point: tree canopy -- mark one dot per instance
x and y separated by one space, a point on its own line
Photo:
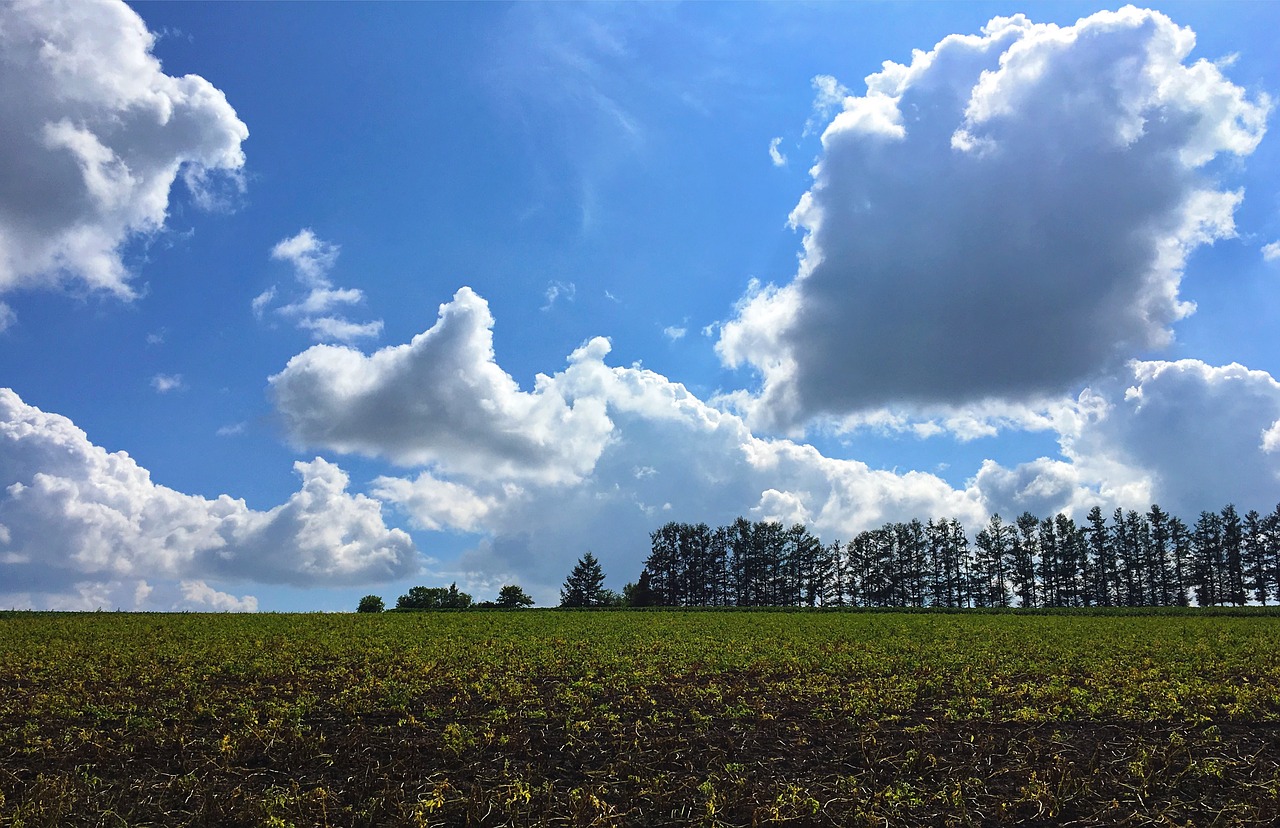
585 585
430 598
513 597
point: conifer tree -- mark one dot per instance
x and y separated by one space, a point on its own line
585 585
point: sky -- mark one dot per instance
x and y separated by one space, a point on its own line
301 302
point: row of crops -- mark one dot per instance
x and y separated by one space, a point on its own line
616 718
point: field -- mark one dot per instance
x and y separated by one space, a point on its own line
639 718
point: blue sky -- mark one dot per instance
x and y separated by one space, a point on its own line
375 295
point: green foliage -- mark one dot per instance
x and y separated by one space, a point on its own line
371 603
433 598
513 597
585 586
1089 717
640 593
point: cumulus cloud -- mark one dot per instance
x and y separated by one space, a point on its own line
674 332
440 400
502 464
1271 252
75 514
312 310
594 457
198 594
312 258
1198 430
829 95
1004 217
92 136
1185 434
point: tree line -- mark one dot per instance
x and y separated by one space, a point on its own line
1132 559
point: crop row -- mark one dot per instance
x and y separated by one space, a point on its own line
637 718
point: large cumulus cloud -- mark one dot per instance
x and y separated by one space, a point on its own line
594 457
1004 217
1188 435
1185 434
93 135
440 400
77 519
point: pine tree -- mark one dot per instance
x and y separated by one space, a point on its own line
995 546
1026 545
1104 559
1207 568
1233 555
585 585
1180 550
1162 578
1257 581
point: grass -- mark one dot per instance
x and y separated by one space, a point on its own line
638 718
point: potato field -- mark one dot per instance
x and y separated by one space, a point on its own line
640 718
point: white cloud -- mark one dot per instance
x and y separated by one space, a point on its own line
1003 218
76 514
164 383
337 329
1271 438
674 332
262 301
200 595
595 457
1185 434
438 504
555 290
92 136
233 430
778 159
829 96
7 317
1271 252
440 400
311 259
1198 430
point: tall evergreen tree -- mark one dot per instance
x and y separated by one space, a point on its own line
1233 555
1104 559
1161 592
813 568
1207 566
913 552
1075 572
1052 567
666 574
994 546
1180 551
585 585
839 574
1138 563
1271 530
1026 551
1257 576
